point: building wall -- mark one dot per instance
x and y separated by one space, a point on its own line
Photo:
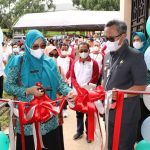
125 14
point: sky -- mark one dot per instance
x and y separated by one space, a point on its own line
63 5
62 1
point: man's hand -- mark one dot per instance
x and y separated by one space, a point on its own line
114 94
35 90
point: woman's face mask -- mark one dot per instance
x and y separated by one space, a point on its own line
16 50
37 53
137 44
38 48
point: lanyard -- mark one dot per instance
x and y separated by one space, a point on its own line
113 66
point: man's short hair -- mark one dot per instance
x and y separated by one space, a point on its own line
84 43
64 44
120 25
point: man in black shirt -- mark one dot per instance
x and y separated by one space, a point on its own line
124 68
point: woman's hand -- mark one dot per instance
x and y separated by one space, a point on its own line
71 98
35 90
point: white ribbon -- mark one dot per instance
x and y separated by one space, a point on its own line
99 107
30 114
11 128
107 101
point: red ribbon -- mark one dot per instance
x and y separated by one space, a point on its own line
43 111
84 103
118 118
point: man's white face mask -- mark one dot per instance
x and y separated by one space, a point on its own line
84 55
112 46
64 53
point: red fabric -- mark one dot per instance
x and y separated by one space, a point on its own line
103 50
72 55
84 103
118 118
44 109
72 73
69 70
95 74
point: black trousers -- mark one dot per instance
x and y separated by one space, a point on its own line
61 137
128 136
80 122
51 141
1 86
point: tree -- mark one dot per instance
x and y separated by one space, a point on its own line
12 10
107 5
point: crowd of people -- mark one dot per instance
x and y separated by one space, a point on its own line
108 61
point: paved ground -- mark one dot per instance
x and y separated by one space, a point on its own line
70 129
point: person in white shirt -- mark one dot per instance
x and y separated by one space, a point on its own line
65 62
84 71
3 60
95 53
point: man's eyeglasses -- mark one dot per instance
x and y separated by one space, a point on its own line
83 50
112 39
53 55
37 46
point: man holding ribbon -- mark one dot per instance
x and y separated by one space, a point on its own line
23 72
124 68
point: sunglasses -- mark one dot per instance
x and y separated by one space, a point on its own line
112 39
53 55
83 50
37 46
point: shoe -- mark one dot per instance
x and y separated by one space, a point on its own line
77 136
65 114
88 141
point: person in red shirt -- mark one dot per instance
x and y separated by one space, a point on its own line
84 71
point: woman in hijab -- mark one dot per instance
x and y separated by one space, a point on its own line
139 41
35 67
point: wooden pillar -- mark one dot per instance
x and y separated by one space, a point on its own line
125 13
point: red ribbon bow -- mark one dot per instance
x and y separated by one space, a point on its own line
84 103
42 109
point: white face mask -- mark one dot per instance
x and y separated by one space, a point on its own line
55 59
112 46
84 55
64 53
16 50
137 45
95 48
37 53
21 52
